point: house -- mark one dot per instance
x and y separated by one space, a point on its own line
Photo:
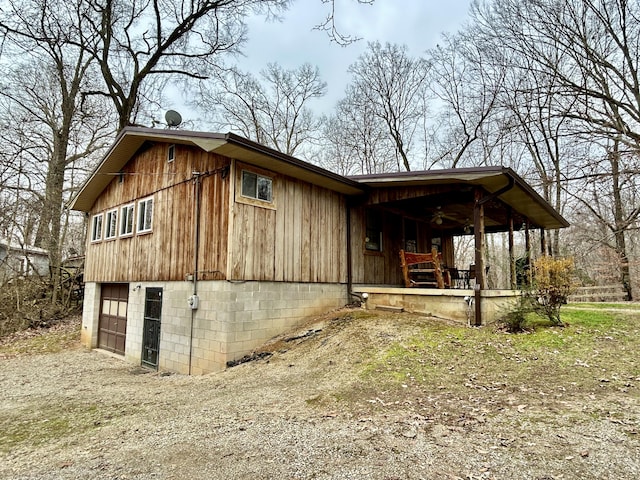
21 260
201 246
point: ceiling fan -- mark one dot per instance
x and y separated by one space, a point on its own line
439 215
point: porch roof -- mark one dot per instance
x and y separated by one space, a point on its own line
451 196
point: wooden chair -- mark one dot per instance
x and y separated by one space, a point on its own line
424 269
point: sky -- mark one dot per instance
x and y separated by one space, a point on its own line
418 24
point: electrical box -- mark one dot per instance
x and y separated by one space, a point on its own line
193 301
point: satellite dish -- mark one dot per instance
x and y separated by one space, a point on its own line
173 118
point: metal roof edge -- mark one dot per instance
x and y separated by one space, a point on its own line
209 142
533 193
293 161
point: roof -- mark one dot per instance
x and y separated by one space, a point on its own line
130 139
511 188
520 195
10 246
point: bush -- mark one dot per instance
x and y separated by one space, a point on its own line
552 284
515 320
26 303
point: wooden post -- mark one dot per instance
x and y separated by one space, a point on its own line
512 258
543 242
527 247
478 230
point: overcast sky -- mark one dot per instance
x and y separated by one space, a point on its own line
293 41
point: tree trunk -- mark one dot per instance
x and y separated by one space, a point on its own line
48 234
619 222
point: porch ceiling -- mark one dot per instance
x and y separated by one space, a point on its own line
448 195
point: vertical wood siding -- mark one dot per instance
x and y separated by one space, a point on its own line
167 252
302 240
383 268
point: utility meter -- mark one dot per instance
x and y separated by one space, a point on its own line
193 301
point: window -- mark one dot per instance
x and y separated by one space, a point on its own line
96 228
410 236
256 186
111 227
373 238
145 215
126 220
171 153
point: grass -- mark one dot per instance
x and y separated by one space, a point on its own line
62 336
606 306
487 369
29 427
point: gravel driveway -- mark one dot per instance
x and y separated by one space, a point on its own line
87 415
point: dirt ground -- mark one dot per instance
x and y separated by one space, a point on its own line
306 412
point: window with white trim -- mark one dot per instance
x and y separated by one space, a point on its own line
257 186
126 220
171 153
111 225
96 228
145 215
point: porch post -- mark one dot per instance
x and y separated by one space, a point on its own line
512 259
478 229
527 247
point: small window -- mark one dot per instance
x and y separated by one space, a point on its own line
171 153
145 215
126 220
373 238
410 236
256 186
96 228
111 227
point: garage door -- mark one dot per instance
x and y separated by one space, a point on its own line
113 317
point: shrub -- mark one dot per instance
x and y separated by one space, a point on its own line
552 284
515 320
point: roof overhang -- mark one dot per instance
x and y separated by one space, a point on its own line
520 196
511 189
130 139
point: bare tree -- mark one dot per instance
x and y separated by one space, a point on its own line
469 86
329 24
583 57
356 141
589 46
140 44
273 111
44 88
388 85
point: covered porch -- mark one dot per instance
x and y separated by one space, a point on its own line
424 212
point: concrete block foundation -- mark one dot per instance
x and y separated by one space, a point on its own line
233 318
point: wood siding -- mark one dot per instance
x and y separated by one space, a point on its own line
376 268
302 239
383 268
166 253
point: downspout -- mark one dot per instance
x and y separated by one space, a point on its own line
479 244
350 294
196 248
